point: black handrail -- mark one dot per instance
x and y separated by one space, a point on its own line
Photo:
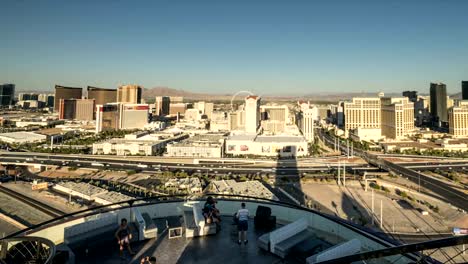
399 250
177 198
42 240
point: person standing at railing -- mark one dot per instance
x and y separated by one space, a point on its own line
124 235
243 223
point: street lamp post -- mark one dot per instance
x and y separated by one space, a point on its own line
381 214
344 173
347 148
372 206
338 172
419 182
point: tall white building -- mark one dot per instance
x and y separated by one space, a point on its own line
458 119
307 124
236 120
397 117
362 113
205 108
252 113
274 118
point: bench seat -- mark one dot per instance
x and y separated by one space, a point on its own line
347 248
150 231
195 225
283 248
263 242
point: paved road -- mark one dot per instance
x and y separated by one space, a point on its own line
283 168
439 189
442 189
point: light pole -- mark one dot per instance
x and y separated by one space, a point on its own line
347 148
381 214
372 206
338 172
344 173
419 182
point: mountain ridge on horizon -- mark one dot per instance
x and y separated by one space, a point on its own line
331 96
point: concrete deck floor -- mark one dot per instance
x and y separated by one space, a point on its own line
219 248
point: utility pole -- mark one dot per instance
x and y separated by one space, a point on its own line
352 149
347 148
372 206
419 182
365 181
344 173
381 214
338 172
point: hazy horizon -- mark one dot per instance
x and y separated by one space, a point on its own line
267 47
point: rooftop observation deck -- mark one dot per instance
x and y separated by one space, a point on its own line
219 248
88 236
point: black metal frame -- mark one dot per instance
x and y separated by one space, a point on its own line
226 197
409 248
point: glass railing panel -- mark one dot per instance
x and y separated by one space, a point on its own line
325 228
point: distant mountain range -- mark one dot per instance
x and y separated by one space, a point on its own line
151 93
456 96
323 97
166 91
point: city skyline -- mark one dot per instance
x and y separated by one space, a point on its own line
301 48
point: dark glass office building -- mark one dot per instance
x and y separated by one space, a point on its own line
50 100
412 95
62 92
102 96
465 90
438 92
7 94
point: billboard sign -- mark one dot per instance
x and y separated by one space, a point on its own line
136 107
39 186
457 231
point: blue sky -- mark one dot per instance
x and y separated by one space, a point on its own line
280 47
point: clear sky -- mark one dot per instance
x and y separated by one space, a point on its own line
282 47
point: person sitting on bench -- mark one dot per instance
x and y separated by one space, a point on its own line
210 212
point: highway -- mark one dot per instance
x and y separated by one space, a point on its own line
443 190
121 163
439 189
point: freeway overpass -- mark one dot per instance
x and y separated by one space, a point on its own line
122 163
438 188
